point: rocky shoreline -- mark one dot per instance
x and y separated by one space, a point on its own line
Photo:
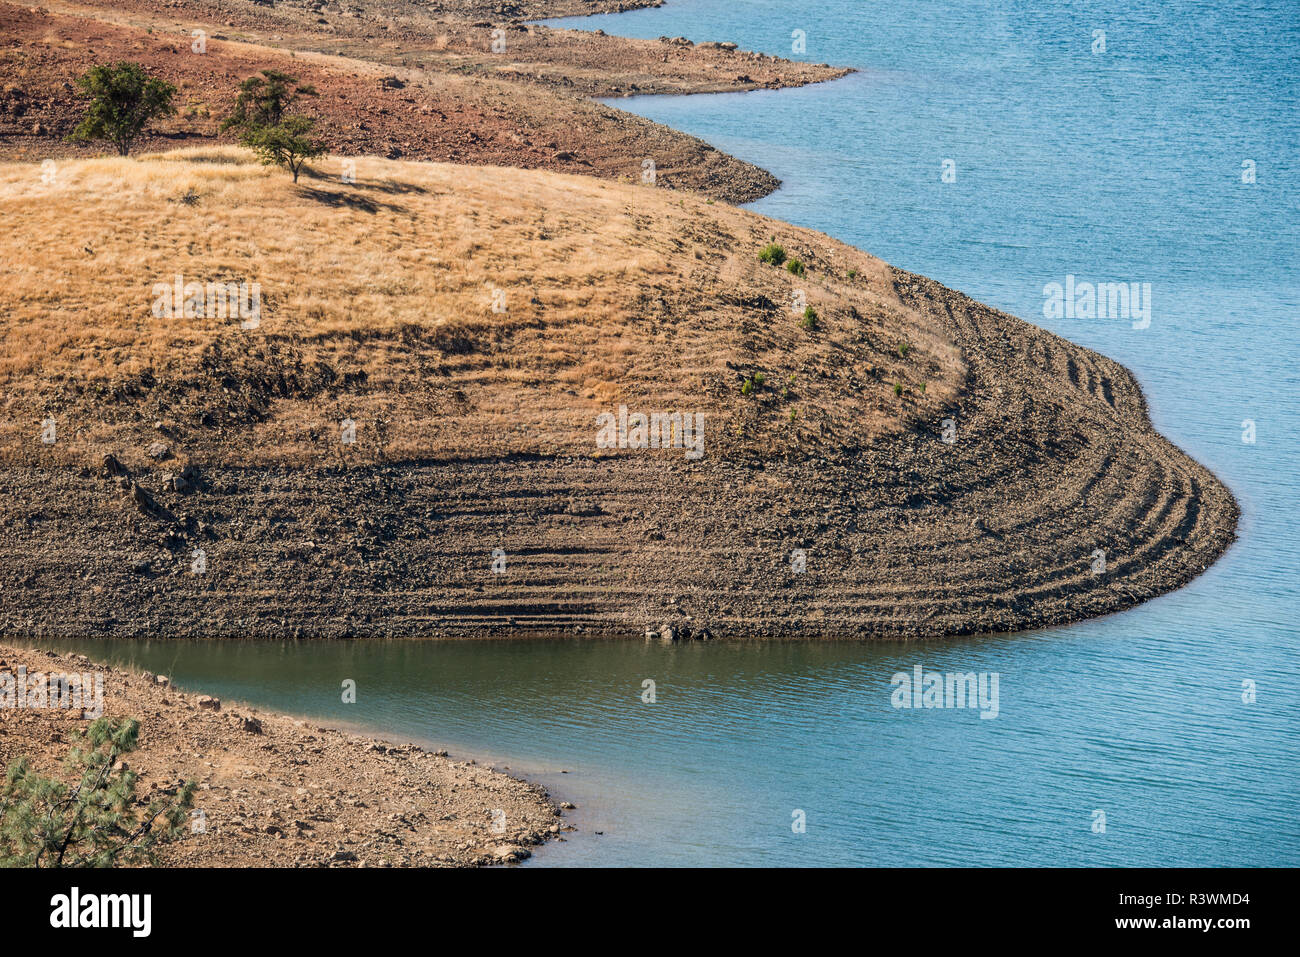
274 791
897 463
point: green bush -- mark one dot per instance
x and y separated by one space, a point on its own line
265 100
795 267
773 253
809 320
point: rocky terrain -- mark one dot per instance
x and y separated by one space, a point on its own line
911 464
405 441
277 792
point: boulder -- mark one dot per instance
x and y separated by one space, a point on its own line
511 854
144 502
112 467
186 481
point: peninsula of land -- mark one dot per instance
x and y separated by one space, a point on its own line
410 436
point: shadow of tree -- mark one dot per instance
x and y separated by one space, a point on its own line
353 196
348 199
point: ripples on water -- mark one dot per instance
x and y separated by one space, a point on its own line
1125 168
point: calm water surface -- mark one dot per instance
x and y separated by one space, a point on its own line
1119 166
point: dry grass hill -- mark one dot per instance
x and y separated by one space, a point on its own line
911 464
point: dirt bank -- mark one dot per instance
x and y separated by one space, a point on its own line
277 792
911 464
448 38
394 80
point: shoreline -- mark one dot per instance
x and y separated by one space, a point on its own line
423 85
1175 519
261 791
933 527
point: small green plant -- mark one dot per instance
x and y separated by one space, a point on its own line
753 384
794 414
898 389
772 253
853 274
923 388
809 320
903 350
795 267
123 101
96 821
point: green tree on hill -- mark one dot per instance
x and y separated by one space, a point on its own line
265 100
96 821
124 99
288 144
261 115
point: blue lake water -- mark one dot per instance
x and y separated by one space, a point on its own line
1121 165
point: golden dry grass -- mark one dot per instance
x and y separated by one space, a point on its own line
377 304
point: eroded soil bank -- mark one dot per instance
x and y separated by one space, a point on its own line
1057 501
906 463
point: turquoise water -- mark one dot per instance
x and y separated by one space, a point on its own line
1120 166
